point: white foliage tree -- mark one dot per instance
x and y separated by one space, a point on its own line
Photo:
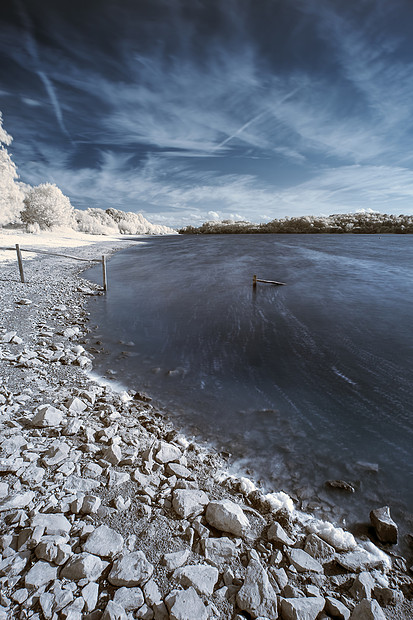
95 222
47 207
11 195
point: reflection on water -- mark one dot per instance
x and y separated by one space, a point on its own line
301 382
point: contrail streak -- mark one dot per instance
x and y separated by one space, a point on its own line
254 119
33 53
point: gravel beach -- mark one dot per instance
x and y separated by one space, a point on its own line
107 511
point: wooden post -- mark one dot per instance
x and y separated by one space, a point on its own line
20 261
254 281
105 282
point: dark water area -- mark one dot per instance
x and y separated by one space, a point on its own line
302 383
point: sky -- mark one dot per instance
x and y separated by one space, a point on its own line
192 110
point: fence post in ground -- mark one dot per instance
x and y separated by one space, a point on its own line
105 282
20 261
254 281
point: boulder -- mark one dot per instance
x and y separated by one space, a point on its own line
218 551
384 526
54 524
47 416
304 562
104 542
131 569
175 559
129 598
16 501
90 594
186 605
319 549
362 586
226 516
53 549
189 502
40 574
277 534
302 608
202 578
336 609
368 610
113 611
257 596
83 566
167 453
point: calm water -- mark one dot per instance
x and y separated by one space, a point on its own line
301 382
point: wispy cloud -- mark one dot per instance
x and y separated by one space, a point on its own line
188 122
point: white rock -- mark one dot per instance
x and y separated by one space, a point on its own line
319 549
14 565
362 586
226 516
8 337
131 569
46 601
75 484
83 566
186 605
47 416
189 502
17 500
178 470
167 453
90 594
364 558
175 559
202 578
53 524
104 542
302 608
32 474
277 534
368 610
219 551
57 453
90 504
152 593
40 574
304 562
257 596
129 598
118 477
113 611
75 405
53 549
113 454
386 529
336 609
62 596
4 490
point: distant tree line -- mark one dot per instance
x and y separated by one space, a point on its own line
355 223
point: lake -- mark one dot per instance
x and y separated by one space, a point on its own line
303 383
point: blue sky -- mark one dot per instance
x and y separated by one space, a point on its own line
189 110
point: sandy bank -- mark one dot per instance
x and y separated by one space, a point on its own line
107 512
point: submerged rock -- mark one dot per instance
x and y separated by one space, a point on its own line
384 526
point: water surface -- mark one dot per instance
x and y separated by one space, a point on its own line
302 382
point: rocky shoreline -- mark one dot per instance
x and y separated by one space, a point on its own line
108 512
